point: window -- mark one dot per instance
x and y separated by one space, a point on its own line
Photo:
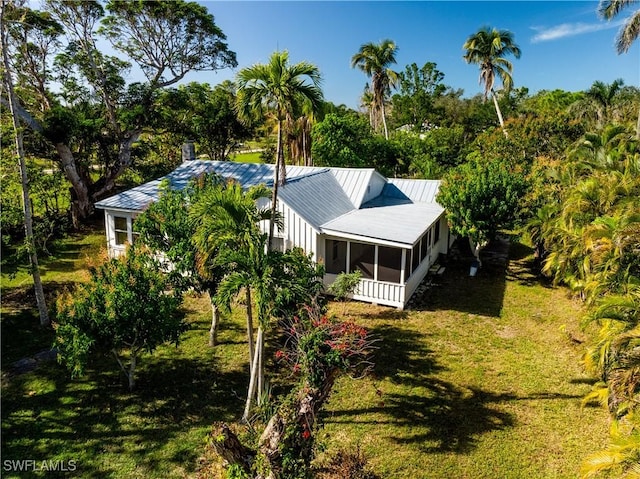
277 244
416 256
336 256
436 232
363 259
121 229
389 264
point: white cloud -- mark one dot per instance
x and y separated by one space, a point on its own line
546 34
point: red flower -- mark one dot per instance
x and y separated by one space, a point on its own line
279 354
306 434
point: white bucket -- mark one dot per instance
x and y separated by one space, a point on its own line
473 269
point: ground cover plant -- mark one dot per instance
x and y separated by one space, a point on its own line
481 379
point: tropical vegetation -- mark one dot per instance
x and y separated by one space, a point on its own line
542 340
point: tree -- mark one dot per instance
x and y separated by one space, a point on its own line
339 140
14 107
319 349
487 48
206 115
481 198
414 104
345 285
600 101
228 235
280 90
227 218
609 9
166 228
629 32
374 60
165 39
128 307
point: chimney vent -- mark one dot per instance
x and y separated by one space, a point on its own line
188 151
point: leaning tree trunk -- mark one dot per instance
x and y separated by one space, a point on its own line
301 415
253 382
26 197
498 112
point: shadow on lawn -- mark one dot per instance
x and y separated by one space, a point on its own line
482 294
434 414
46 416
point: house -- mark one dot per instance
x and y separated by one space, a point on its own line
392 230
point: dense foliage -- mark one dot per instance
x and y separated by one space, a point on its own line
126 308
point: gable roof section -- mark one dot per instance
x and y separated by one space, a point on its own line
419 191
356 183
317 197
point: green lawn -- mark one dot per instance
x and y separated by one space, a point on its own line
483 382
252 157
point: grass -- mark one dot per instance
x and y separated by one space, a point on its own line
484 381
253 157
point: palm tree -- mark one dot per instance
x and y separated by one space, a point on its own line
228 235
374 60
278 89
227 218
487 48
609 9
600 101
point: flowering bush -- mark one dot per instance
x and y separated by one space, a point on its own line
318 346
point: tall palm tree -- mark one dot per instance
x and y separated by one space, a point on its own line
629 32
227 226
227 218
278 89
374 60
488 49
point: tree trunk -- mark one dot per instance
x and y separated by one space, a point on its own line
384 120
254 377
498 112
229 447
26 197
215 320
276 182
131 375
307 404
249 326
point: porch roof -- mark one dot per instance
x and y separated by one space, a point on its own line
398 221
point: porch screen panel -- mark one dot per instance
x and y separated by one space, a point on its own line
389 264
436 232
416 257
407 265
336 256
363 259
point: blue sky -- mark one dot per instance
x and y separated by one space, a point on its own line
564 43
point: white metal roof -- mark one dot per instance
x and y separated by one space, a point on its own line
317 197
349 201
